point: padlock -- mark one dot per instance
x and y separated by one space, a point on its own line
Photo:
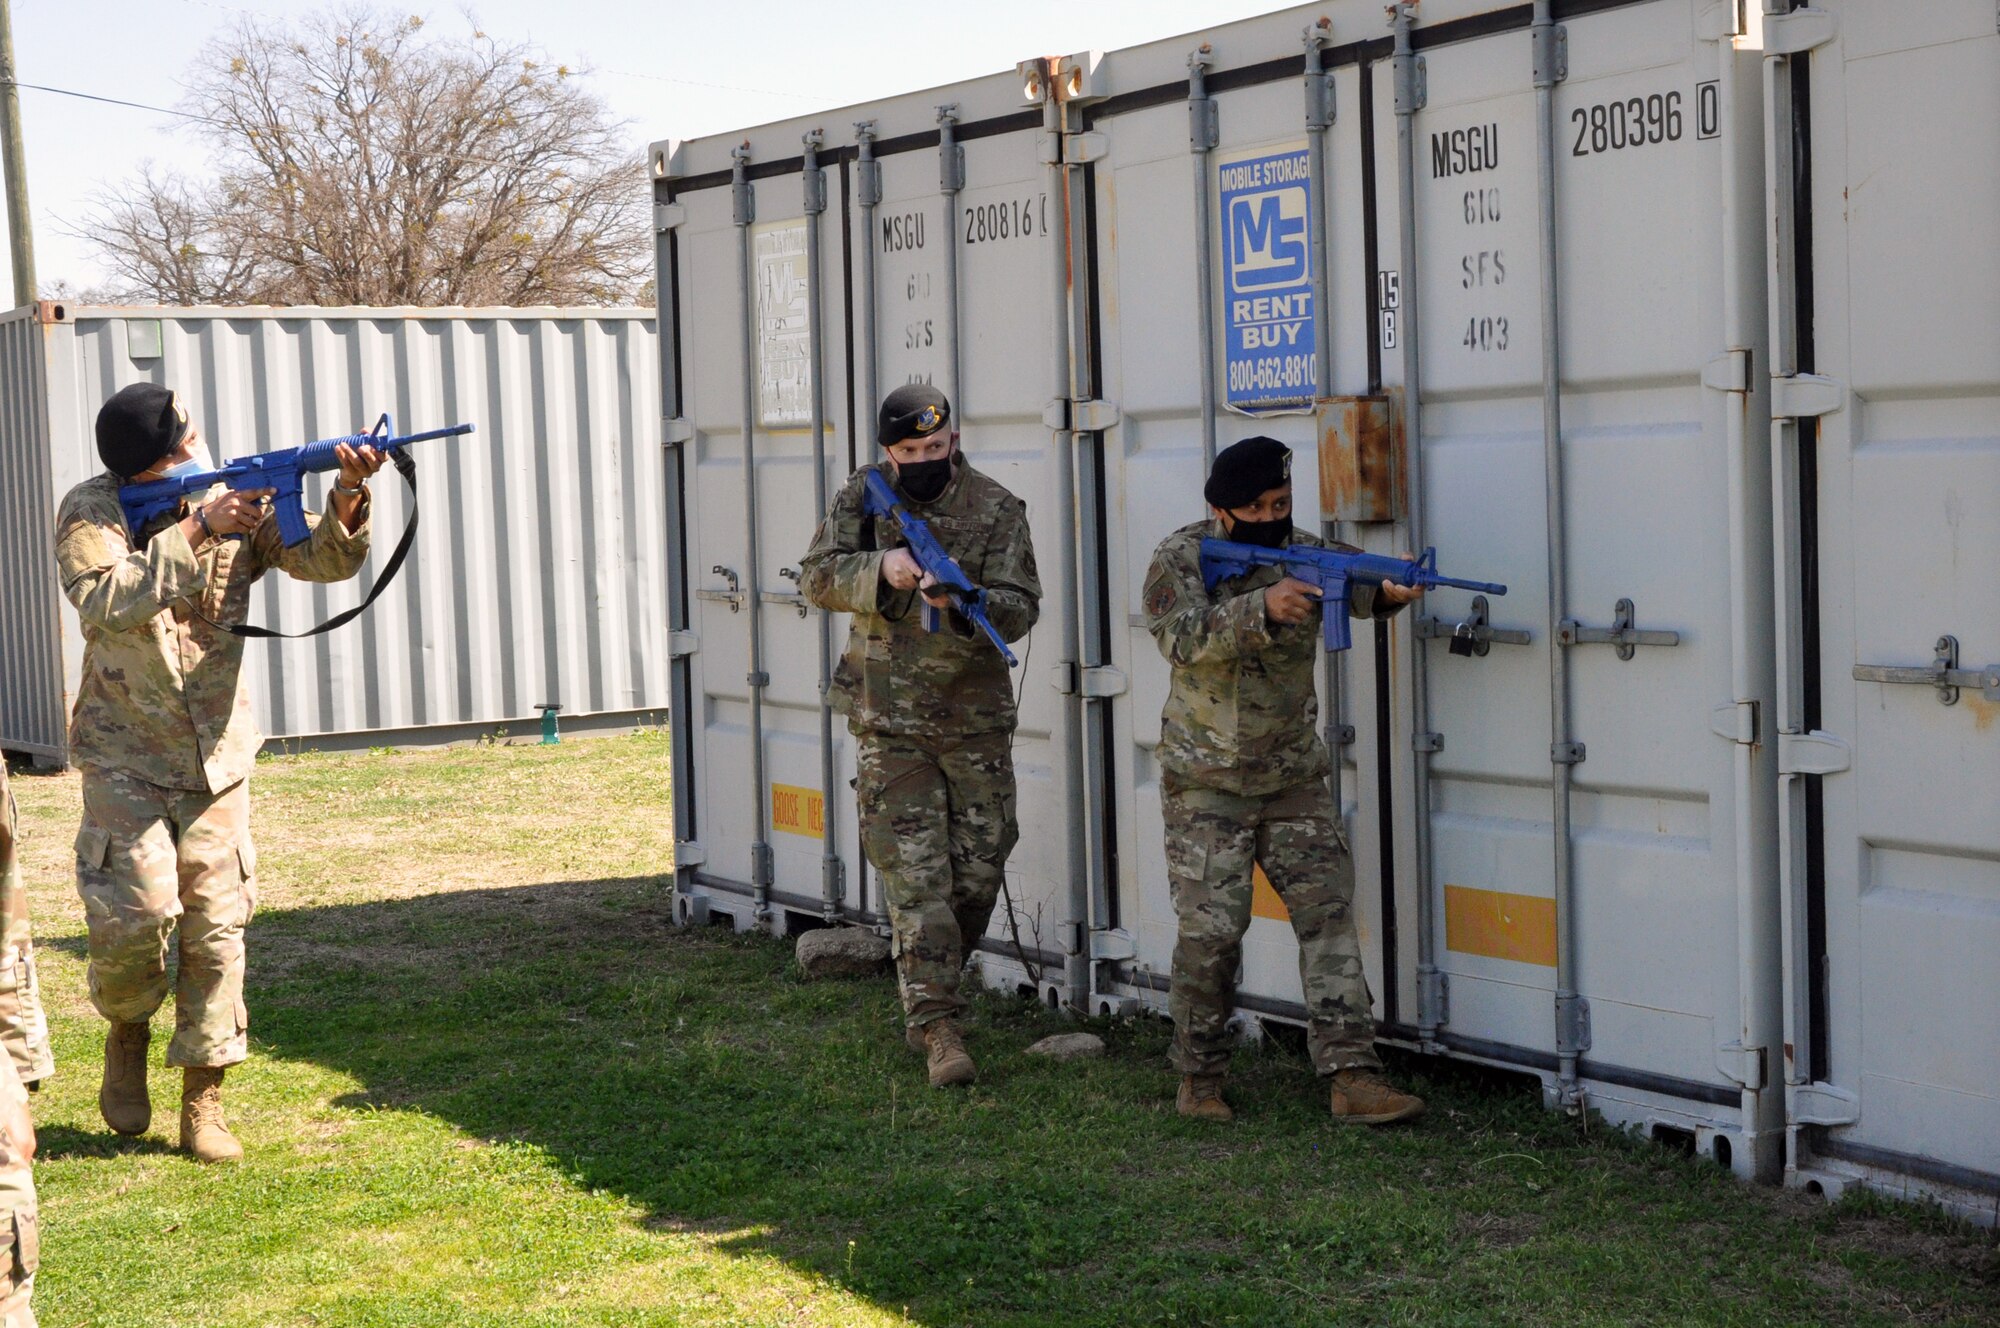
1461 640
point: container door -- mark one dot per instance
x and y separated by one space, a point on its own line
756 805
985 212
1265 280
1894 489
1673 909
1657 185
951 182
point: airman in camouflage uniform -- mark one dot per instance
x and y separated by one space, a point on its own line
165 738
26 1035
1243 784
933 713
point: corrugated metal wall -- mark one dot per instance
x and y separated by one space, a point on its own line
536 575
33 703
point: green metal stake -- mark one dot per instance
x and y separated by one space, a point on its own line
548 709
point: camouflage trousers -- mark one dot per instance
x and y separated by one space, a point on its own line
937 821
1215 840
23 1027
20 1222
150 861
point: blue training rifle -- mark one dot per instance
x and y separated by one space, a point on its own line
1330 572
968 599
283 471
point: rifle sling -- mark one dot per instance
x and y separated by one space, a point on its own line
406 466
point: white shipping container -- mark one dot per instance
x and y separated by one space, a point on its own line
1519 279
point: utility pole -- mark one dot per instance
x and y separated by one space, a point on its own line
20 232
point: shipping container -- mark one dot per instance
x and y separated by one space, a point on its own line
536 575
1885 336
1525 283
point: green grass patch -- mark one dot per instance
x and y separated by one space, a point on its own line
492 1085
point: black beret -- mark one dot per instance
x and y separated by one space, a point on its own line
137 427
1246 471
914 410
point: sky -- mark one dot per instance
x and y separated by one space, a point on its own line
672 70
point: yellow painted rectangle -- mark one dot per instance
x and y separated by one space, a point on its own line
1264 901
1498 925
798 811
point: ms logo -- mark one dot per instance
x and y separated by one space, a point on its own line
1267 245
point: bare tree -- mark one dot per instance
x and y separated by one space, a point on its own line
363 162
170 240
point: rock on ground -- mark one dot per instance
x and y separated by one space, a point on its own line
842 952
1069 1046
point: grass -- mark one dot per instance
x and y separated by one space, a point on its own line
491 1084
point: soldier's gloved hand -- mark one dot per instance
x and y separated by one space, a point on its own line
900 569
237 511
1290 601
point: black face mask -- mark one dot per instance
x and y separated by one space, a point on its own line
1263 534
923 481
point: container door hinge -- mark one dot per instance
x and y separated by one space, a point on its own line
688 853
1427 742
1799 31
1727 372
667 216
1741 1065
1081 149
1823 1104
1093 416
682 644
1802 396
1095 683
1103 681
1736 721
1113 945
674 432
1815 753
1567 753
1720 19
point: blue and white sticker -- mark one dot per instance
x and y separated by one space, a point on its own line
1267 295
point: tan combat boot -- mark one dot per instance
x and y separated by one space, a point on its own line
1364 1097
950 1064
122 1100
1200 1098
914 1039
203 1132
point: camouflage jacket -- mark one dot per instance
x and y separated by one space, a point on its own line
162 696
1241 712
894 676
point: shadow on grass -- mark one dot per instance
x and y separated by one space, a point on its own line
53 1143
695 1075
